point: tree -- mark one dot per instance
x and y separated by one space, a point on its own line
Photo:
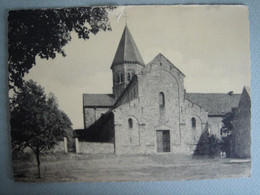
36 121
45 32
208 145
227 128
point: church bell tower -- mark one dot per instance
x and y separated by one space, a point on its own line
127 62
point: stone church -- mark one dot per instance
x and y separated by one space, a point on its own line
149 110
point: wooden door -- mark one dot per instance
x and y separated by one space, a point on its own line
163 140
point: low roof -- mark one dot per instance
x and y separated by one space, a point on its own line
215 103
99 100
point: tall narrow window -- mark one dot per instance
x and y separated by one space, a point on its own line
122 77
193 122
128 76
118 78
130 123
209 128
161 99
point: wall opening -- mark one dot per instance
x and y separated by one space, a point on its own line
193 123
122 78
130 123
161 100
163 140
118 78
128 76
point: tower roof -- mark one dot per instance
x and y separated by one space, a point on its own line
127 51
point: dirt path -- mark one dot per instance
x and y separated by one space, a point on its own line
99 168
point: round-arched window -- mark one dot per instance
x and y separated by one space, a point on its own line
161 99
130 123
193 122
128 76
122 77
118 78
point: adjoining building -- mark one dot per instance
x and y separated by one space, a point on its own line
149 110
241 133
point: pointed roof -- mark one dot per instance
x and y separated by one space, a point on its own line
127 51
162 59
247 89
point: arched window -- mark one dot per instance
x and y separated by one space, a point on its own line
161 99
118 78
130 123
193 122
122 77
128 76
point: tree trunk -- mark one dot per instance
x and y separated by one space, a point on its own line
38 163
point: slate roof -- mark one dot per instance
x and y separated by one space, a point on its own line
127 51
102 100
215 103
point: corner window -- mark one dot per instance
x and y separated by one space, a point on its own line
193 123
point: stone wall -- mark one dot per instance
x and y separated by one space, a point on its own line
130 94
100 131
242 127
61 146
148 115
92 114
215 124
191 135
123 70
94 147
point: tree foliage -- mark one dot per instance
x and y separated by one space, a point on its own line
208 145
227 126
45 32
36 121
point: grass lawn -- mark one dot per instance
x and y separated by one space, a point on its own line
107 168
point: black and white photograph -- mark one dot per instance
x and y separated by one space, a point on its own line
129 93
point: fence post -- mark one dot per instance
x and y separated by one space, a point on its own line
77 145
65 145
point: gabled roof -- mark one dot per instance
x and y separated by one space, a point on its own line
247 89
215 103
127 51
162 59
98 100
245 97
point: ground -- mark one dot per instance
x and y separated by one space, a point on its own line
107 168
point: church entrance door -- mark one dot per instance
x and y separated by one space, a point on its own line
163 140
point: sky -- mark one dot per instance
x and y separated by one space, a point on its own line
209 44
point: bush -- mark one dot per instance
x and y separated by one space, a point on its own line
22 156
208 145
